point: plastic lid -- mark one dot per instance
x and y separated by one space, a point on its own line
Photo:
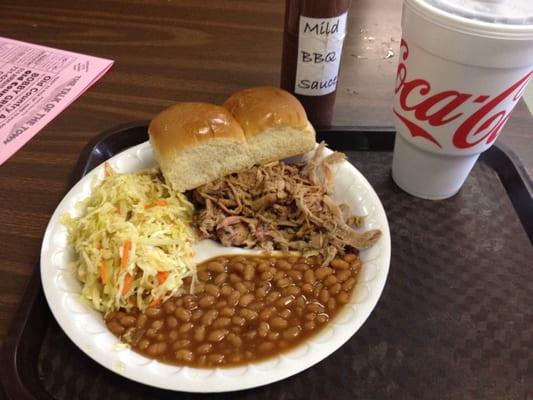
507 12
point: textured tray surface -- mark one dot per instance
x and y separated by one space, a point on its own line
454 320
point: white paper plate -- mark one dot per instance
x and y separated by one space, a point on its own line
86 327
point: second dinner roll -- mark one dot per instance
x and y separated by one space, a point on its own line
274 122
196 143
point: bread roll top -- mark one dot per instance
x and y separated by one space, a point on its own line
185 125
260 108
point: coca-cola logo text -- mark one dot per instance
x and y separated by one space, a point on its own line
442 108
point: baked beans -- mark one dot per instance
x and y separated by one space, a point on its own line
243 309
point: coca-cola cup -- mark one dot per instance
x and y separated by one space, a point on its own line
463 66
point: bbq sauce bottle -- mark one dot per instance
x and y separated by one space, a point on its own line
312 45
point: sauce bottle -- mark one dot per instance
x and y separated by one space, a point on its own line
313 36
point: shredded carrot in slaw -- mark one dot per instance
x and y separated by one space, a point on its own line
127 284
101 269
125 254
162 276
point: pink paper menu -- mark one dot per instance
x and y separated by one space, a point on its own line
36 84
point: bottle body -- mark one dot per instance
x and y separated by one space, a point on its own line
314 32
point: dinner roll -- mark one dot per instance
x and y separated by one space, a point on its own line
195 143
274 122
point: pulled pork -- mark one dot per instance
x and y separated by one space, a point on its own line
281 206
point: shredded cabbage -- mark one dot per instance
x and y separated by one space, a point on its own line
133 241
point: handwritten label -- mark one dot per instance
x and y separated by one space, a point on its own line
36 84
319 54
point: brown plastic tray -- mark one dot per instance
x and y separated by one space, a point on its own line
455 320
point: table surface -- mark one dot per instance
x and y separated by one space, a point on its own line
168 51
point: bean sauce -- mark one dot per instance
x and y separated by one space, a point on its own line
240 309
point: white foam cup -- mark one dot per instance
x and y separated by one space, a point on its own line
463 66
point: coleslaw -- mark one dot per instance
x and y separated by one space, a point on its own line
133 241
